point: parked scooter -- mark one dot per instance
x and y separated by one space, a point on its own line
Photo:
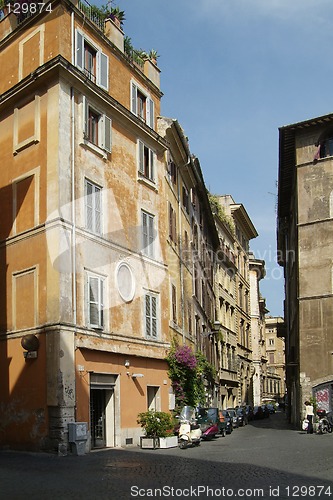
325 423
189 430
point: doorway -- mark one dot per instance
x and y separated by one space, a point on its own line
97 418
102 418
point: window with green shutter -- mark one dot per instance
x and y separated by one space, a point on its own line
93 207
95 292
151 315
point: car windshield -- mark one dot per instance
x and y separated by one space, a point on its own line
239 411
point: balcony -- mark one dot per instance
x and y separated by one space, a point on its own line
226 255
92 13
227 375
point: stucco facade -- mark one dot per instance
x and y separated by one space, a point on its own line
304 248
83 241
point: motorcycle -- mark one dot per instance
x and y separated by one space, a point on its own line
325 423
189 433
208 421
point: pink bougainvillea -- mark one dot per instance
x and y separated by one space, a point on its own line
184 355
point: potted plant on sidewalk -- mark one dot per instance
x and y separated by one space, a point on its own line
158 427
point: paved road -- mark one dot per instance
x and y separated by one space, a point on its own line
266 459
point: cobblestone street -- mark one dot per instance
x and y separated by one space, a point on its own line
265 459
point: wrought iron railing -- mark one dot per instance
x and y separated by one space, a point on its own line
92 13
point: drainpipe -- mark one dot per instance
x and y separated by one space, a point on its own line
73 206
73 253
73 37
73 245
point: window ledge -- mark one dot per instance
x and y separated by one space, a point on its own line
147 182
95 149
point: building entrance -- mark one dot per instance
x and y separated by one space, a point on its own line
102 410
97 418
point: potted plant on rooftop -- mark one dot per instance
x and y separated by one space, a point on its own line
117 16
153 56
158 427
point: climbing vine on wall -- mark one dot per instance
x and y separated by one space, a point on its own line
189 373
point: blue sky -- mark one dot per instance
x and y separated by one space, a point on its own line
232 73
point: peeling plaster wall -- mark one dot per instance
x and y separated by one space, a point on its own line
315 237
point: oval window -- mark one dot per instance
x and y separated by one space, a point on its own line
125 282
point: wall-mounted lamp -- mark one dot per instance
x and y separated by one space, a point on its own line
216 327
137 375
30 344
127 363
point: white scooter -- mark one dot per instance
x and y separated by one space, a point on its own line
189 430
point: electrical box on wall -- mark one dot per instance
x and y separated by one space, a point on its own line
77 431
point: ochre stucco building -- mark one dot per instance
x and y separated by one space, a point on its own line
305 239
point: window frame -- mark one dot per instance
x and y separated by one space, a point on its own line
146 162
101 76
172 224
150 319
100 324
148 116
148 237
174 303
97 212
103 144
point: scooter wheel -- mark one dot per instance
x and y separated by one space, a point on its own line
329 429
182 445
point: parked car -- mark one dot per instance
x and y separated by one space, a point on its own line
271 408
265 410
228 420
234 418
241 416
249 412
258 413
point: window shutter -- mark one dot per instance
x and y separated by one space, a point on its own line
79 53
89 206
141 158
134 107
174 227
150 113
101 305
150 235
103 71
93 284
98 209
170 221
144 232
85 116
153 316
107 133
147 315
151 161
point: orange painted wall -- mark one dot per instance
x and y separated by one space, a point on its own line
23 415
133 391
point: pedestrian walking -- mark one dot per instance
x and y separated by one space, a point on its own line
309 416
